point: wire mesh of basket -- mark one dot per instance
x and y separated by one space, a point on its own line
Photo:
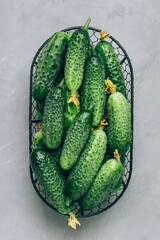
34 121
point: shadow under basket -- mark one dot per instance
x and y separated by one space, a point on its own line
34 121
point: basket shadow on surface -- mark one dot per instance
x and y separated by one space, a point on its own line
34 121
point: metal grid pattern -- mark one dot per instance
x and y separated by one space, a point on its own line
33 122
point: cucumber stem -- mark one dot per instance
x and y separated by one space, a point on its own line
104 35
74 99
116 155
103 123
87 24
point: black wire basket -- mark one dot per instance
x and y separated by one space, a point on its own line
34 121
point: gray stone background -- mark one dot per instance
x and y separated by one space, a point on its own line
24 26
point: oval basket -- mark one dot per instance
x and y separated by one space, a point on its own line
34 121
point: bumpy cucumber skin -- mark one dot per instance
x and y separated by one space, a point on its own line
53 118
77 53
76 138
112 65
38 141
118 185
122 159
106 179
119 124
49 65
93 88
71 111
82 175
51 179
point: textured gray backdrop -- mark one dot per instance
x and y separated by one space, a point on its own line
25 25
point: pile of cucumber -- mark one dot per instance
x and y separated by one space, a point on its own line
79 153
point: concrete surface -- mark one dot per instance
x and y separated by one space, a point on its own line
25 25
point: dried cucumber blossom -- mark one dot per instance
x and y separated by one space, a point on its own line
104 35
40 125
73 98
72 221
116 155
103 122
110 87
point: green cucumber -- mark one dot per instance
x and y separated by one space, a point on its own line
122 159
93 88
112 65
83 173
105 181
118 185
76 138
119 132
49 65
40 106
38 141
53 118
51 179
77 52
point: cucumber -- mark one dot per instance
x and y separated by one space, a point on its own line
93 88
71 110
76 139
82 175
105 181
49 65
77 52
118 185
119 132
122 159
51 179
40 106
38 141
112 65
53 118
